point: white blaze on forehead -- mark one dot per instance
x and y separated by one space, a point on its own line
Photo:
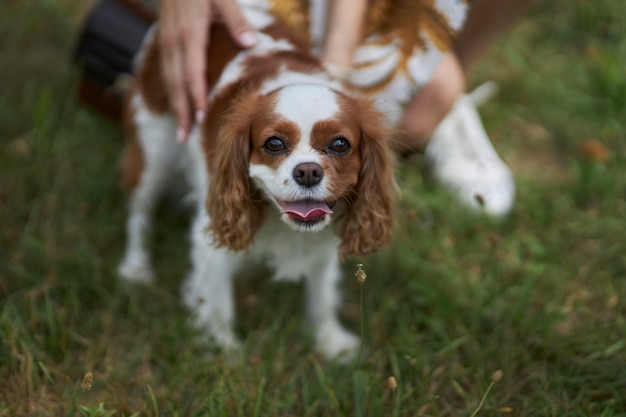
305 105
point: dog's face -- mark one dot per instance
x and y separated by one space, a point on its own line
307 149
305 153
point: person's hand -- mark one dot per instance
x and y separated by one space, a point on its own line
183 37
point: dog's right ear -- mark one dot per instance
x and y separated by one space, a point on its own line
234 205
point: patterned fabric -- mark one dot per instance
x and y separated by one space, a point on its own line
402 44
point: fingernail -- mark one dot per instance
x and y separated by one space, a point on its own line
180 135
199 116
247 38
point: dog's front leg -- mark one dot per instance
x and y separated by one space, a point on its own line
208 291
323 299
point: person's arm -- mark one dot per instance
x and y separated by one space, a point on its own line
183 36
343 33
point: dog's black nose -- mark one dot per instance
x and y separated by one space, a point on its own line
308 174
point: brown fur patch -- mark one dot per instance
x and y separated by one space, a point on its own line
149 78
266 124
132 162
222 49
343 170
235 207
369 221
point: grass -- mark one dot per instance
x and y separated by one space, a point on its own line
539 296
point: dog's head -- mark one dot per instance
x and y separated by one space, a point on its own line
311 154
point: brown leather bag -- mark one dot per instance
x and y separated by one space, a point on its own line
110 37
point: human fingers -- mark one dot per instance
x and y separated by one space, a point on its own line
171 62
195 28
178 24
239 28
173 77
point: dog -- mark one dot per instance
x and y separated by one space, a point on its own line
289 167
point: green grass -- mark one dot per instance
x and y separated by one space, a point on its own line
540 296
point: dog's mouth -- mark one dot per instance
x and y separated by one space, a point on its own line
307 212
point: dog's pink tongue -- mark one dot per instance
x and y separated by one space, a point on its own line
307 209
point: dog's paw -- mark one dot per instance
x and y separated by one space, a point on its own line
227 341
221 335
139 273
337 344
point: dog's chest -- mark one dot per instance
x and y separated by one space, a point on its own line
292 254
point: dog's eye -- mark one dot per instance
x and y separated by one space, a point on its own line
339 146
274 145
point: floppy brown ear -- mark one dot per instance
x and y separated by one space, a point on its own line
234 206
369 222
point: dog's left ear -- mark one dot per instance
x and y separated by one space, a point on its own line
369 222
234 206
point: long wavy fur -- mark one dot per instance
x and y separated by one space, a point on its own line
369 222
234 206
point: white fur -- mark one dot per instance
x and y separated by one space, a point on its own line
309 100
161 157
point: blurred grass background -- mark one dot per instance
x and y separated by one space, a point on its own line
539 296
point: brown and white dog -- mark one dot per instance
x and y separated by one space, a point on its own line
288 168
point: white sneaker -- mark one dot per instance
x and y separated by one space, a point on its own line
463 160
